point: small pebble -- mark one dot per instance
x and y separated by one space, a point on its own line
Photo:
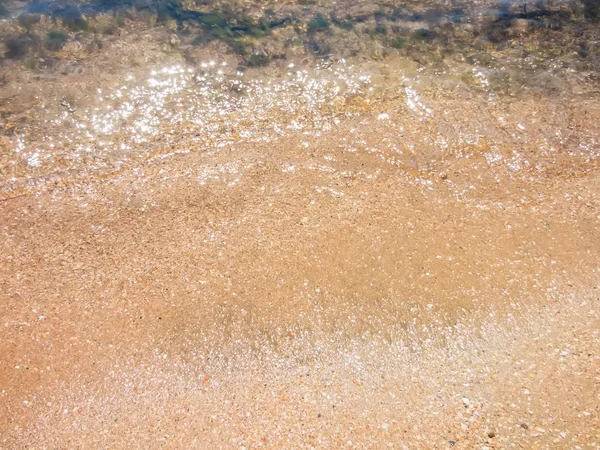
491 434
524 426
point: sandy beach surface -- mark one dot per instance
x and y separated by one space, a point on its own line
318 253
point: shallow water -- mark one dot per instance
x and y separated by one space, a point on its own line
299 226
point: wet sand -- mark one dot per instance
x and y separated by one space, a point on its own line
410 261
230 300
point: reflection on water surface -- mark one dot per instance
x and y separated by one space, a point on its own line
299 224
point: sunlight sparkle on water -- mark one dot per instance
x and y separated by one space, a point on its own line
214 106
